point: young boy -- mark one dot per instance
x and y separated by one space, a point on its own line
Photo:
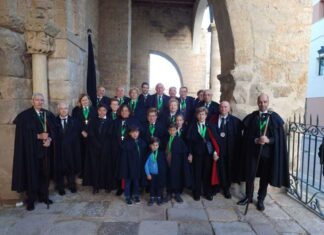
114 105
155 171
178 165
133 153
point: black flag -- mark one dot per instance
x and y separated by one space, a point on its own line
91 75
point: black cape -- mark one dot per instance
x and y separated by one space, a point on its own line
67 148
230 150
28 149
132 161
278 150
98 169
179 174
160 132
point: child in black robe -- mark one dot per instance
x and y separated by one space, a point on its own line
133 153
178 165
155 167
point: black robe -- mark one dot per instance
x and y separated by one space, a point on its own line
28 150
179 175
116 141
189 111
125 98
77 114
160 132
99 167
144 100
105 101
213 111
166 119
67 148
140 111
153 103
230 150
321 154
277 151
132 161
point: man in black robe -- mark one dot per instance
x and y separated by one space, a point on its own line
212 106
273 164
144 96
35 132
120 95
67 149
101 98
159 100
186 105
229 137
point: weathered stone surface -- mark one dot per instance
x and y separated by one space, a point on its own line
12 49
264 229
222 215
289 226
120 228
187 214
15 88
158 228
201 228
71 227
232 228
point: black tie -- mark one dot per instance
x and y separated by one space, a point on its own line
102 122
222 126
64 124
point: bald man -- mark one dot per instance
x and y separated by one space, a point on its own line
159 100
272 167
229 138
35 134
67 149
120 95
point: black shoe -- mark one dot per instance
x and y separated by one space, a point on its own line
227 194
46 201
167 198
61 192
107 190
129 201
119 192
196 197
209 198
178 198
244 201
95 190
159 201
30 206
73 190
151 201
260 205
137 200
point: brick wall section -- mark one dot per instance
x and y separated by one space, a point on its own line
169 30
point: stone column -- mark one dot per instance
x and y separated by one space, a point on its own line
40 45
215 62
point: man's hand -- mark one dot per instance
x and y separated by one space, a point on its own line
263 140
42 136
215 156
84 134
190 158
149 177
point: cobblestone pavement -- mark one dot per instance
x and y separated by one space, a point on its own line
84 213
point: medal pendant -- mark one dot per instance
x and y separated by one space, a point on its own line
122 138
222 134
86 121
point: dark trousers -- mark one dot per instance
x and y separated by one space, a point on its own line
70 180
131 188
202 166
264 170
95 166
171 189
155 189
43 176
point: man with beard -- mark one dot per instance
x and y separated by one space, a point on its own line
269 162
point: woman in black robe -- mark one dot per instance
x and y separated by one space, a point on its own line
118 134
98 159
84 113
137 106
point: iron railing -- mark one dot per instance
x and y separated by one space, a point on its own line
304 139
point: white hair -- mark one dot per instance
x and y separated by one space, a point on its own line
37 95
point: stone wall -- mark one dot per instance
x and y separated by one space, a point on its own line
271 43
67 66
168 30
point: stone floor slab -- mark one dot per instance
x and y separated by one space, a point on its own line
187 214
221 215
158 228
194 228
118 228
79 227
264 229
232 228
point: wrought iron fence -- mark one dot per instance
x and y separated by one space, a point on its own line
306 161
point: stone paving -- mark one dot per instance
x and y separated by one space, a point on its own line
84 213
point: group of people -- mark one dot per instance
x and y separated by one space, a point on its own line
155 143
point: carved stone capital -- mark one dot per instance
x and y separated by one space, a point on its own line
39 42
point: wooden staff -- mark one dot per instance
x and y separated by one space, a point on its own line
257 165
